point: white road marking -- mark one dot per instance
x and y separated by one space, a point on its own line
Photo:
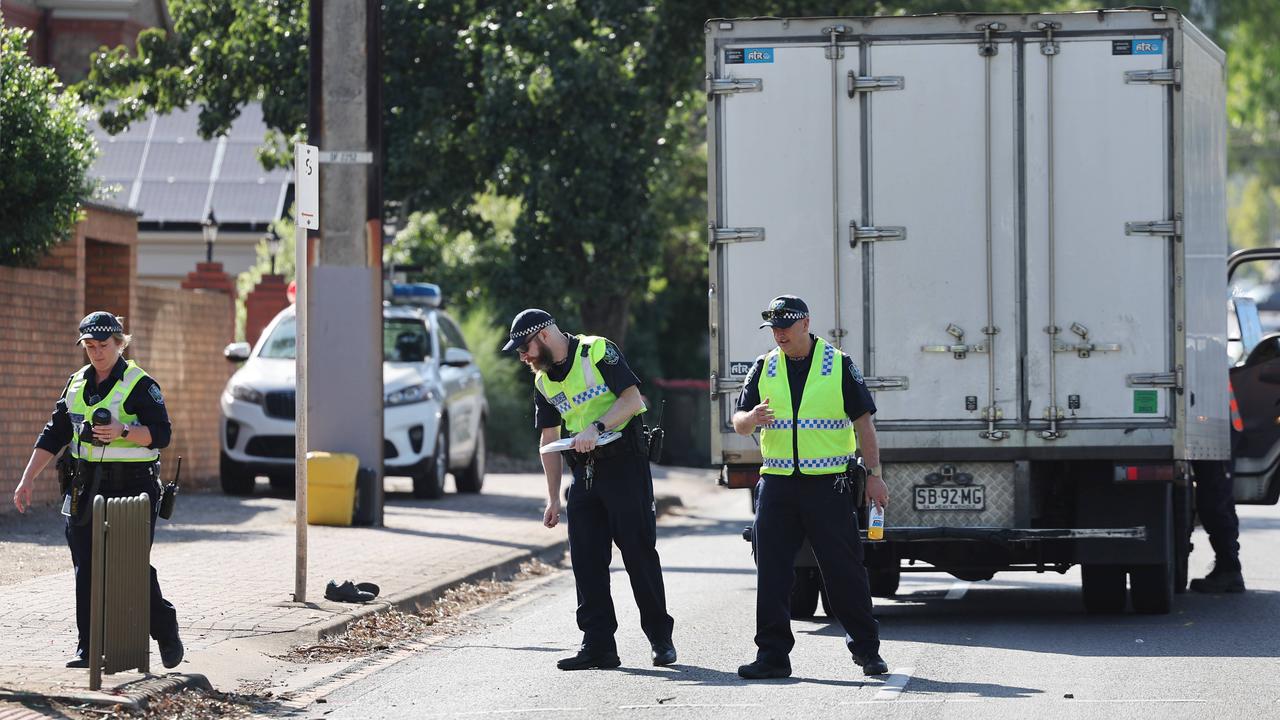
689 705
894 684
958 590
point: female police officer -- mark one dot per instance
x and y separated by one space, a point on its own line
121 456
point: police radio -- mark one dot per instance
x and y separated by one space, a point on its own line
655 435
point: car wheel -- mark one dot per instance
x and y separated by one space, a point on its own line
284 484
471 479
428 479
235 477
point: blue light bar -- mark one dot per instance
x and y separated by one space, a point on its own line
427 294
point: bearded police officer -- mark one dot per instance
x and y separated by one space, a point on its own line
814 411
116 458
585 388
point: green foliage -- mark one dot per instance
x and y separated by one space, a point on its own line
507 384
46 150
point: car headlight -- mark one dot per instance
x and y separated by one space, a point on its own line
412 394
246 393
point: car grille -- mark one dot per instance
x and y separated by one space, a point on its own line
271 446
280 404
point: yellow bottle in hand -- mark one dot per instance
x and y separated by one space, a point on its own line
875 522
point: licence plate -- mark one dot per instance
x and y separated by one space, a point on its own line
968 497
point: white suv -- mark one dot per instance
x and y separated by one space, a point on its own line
433 399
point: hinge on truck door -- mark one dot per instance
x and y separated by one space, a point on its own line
723 386
987 47
867 233
1171 379
725 235
867 83
1154 227
727 86
958 349
1167 76
1085 347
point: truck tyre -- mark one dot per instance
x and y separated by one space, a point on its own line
1151 589
429 475
804 594
884 581
235 477
471 479
1102 588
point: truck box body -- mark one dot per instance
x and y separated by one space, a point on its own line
1014 224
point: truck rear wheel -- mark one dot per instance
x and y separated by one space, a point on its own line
1102 588
1151 589
804 594
884 581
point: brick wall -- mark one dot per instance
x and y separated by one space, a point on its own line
179 336
109 278
39 323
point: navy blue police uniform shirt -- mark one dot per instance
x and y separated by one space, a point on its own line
613 369
145 401
857 398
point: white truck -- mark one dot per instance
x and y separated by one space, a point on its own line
1016 226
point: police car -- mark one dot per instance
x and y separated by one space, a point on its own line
433 400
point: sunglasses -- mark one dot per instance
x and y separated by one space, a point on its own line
523 348
783 314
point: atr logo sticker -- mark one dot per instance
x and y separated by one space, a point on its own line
1151 46
740 368
748 56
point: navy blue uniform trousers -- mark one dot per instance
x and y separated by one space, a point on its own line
617 508
164 619
1216 506
788 510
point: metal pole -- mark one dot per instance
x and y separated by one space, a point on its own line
300 412
96 596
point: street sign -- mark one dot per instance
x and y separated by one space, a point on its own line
306 183
346 157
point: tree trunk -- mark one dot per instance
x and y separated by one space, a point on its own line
607 317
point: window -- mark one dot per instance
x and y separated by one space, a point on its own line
283 342
451 336
404 340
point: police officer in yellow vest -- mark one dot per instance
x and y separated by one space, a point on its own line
118 458
814 412
585 388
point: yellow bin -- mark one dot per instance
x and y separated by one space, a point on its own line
331 488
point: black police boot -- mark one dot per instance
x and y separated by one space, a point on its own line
171 653
79 661
761 670
871 664
587 659
664 653
1224 578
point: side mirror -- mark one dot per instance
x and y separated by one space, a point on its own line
237 351
457 357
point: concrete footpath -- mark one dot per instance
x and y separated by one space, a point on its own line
227 564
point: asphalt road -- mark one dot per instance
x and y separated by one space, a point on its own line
1018 646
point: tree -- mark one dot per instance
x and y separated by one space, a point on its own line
47 150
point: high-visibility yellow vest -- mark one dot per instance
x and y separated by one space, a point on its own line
582 397
120 449
821 433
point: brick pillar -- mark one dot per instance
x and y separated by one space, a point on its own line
209 276
262 303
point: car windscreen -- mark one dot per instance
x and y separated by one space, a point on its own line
405 340
282 344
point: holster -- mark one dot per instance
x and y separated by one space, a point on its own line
85 485
66 469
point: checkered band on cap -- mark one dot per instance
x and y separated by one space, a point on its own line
100 328
789 315
532 330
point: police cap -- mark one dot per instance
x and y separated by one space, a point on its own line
784 311
99 325
527 324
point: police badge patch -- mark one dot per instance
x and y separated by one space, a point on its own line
856 373
611 353
154 391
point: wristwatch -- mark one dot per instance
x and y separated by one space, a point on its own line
874 470
125 432
599 426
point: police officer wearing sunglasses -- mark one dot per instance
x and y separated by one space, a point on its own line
584 388
118 457
813 410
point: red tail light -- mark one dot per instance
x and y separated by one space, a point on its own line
1163 472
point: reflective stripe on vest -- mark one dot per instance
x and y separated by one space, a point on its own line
120 449
821 432
581 398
